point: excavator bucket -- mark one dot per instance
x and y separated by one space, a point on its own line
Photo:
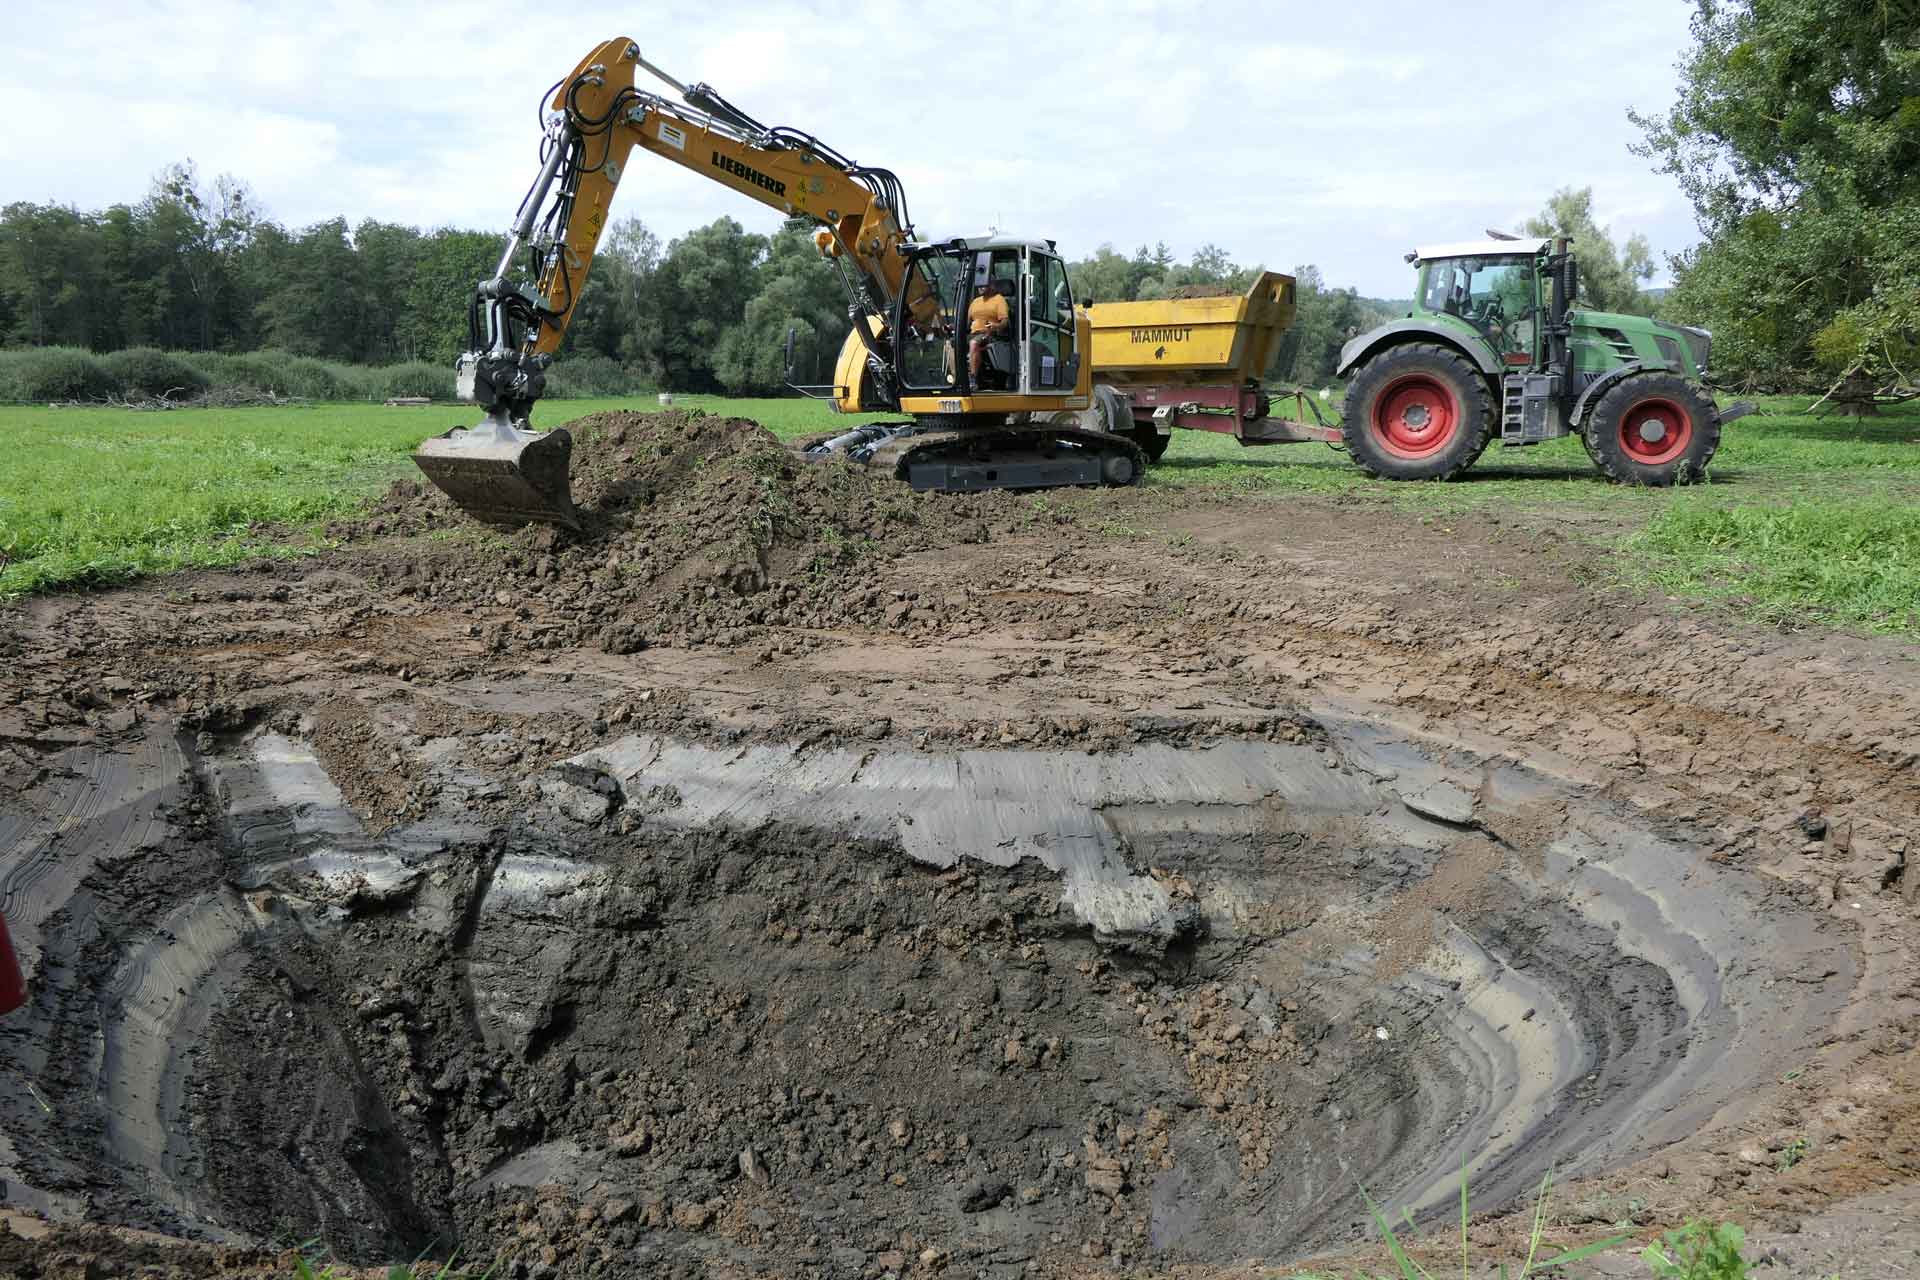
497 473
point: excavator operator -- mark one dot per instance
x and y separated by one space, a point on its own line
987 319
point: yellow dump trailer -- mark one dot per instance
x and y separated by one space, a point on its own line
1197 363
1192 340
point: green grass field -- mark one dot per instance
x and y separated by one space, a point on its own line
95 496
1804 518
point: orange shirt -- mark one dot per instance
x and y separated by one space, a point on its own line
986 313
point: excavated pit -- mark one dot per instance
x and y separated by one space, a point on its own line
670 1005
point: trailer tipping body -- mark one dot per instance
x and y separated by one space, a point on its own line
1197 363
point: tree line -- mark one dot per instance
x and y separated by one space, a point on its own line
199 267
203 269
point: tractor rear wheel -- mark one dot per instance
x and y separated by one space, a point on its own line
1417 412
1652 429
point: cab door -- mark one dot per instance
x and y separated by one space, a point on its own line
1049 361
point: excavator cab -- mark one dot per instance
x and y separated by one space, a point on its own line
1035 353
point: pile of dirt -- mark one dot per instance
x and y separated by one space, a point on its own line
695 526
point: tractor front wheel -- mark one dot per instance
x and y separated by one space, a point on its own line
1417 412
1652 429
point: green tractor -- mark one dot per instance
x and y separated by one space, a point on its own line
1494 341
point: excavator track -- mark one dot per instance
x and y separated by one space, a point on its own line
969 459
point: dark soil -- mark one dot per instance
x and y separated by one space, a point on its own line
696 525
569 899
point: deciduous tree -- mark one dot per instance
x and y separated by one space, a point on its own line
1796 135
1610 275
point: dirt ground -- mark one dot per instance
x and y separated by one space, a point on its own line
798 876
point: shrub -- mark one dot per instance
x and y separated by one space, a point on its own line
70 373
146 371
414 378
308 378
357 382
581 376
1699 1251
260 371
53 374
224 371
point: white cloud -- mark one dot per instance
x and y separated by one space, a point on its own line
1337 135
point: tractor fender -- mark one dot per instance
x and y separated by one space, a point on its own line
1395 332
1598 387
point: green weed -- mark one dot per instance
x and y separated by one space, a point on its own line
1795 1152
307 1260
1532 1263
1698 1251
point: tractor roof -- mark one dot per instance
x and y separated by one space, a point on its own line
1478 248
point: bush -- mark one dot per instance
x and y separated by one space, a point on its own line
582 376
356 382
70 373
257 371
223 370
307 378
280 373
146 371
53 374
413 378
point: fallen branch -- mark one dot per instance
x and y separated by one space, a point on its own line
233 397
1852 391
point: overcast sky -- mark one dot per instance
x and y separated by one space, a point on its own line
1340 134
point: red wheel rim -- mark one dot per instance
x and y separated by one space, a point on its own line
1415 416
1655 431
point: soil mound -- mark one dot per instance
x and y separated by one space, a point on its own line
722 500
696 526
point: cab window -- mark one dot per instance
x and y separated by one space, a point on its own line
1494 294
929 316
1052 330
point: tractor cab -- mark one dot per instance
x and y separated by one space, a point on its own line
1492 288
990 315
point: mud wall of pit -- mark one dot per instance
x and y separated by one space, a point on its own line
668 1004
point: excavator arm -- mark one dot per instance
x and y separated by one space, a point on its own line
854 208
503 471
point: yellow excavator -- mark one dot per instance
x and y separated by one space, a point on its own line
1016 410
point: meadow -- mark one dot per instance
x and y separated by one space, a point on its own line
1803 518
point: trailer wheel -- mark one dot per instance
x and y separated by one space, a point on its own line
1151 442
1652 429
1417 412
